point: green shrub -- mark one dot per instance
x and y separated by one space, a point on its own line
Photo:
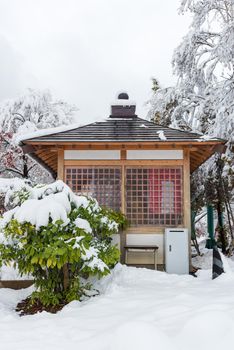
61 240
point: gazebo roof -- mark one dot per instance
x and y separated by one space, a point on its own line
127 129
122 129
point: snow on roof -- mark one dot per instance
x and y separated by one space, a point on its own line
161 135
123 102
44 132
206 138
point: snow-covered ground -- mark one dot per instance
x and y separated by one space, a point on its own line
136 309
9 273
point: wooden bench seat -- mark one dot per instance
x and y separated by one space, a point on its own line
130 247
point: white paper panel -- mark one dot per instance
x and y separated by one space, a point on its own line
92 154
155 154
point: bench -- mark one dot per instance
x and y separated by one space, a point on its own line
153 248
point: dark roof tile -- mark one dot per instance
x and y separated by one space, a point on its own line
122 130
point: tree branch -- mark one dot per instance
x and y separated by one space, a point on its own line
21 116
31 167
13 171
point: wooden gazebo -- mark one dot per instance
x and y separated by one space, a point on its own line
128 164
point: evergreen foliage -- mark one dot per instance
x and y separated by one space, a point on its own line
60 249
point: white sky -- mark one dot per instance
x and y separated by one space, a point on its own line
85 51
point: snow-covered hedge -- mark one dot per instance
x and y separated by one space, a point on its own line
60 239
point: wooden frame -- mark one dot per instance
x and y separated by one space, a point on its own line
123 164
60 160
199 151
182 192
93 182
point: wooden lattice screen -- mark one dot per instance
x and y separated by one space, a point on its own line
102 183
154 196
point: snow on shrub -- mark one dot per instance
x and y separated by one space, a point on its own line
9 187
60 239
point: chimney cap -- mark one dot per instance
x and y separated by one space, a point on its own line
123 96
122 107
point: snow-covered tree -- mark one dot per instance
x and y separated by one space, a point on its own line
161 104
204 65
29 112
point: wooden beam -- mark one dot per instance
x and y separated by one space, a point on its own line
43 153
203 152
40 147
158 162
123 204
114 146
60 160
43 164
193 165
123 154
53 163
40 152
193 149
128 144
123 210
197 157
200 151
54 171
49 156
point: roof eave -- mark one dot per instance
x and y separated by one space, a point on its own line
50 142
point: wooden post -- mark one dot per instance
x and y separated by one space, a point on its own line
187 197
123 209
60 173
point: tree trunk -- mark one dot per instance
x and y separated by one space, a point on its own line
25 167
221 227
65 277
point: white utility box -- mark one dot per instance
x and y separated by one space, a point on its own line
177 251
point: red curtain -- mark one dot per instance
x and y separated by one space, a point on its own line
158 191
